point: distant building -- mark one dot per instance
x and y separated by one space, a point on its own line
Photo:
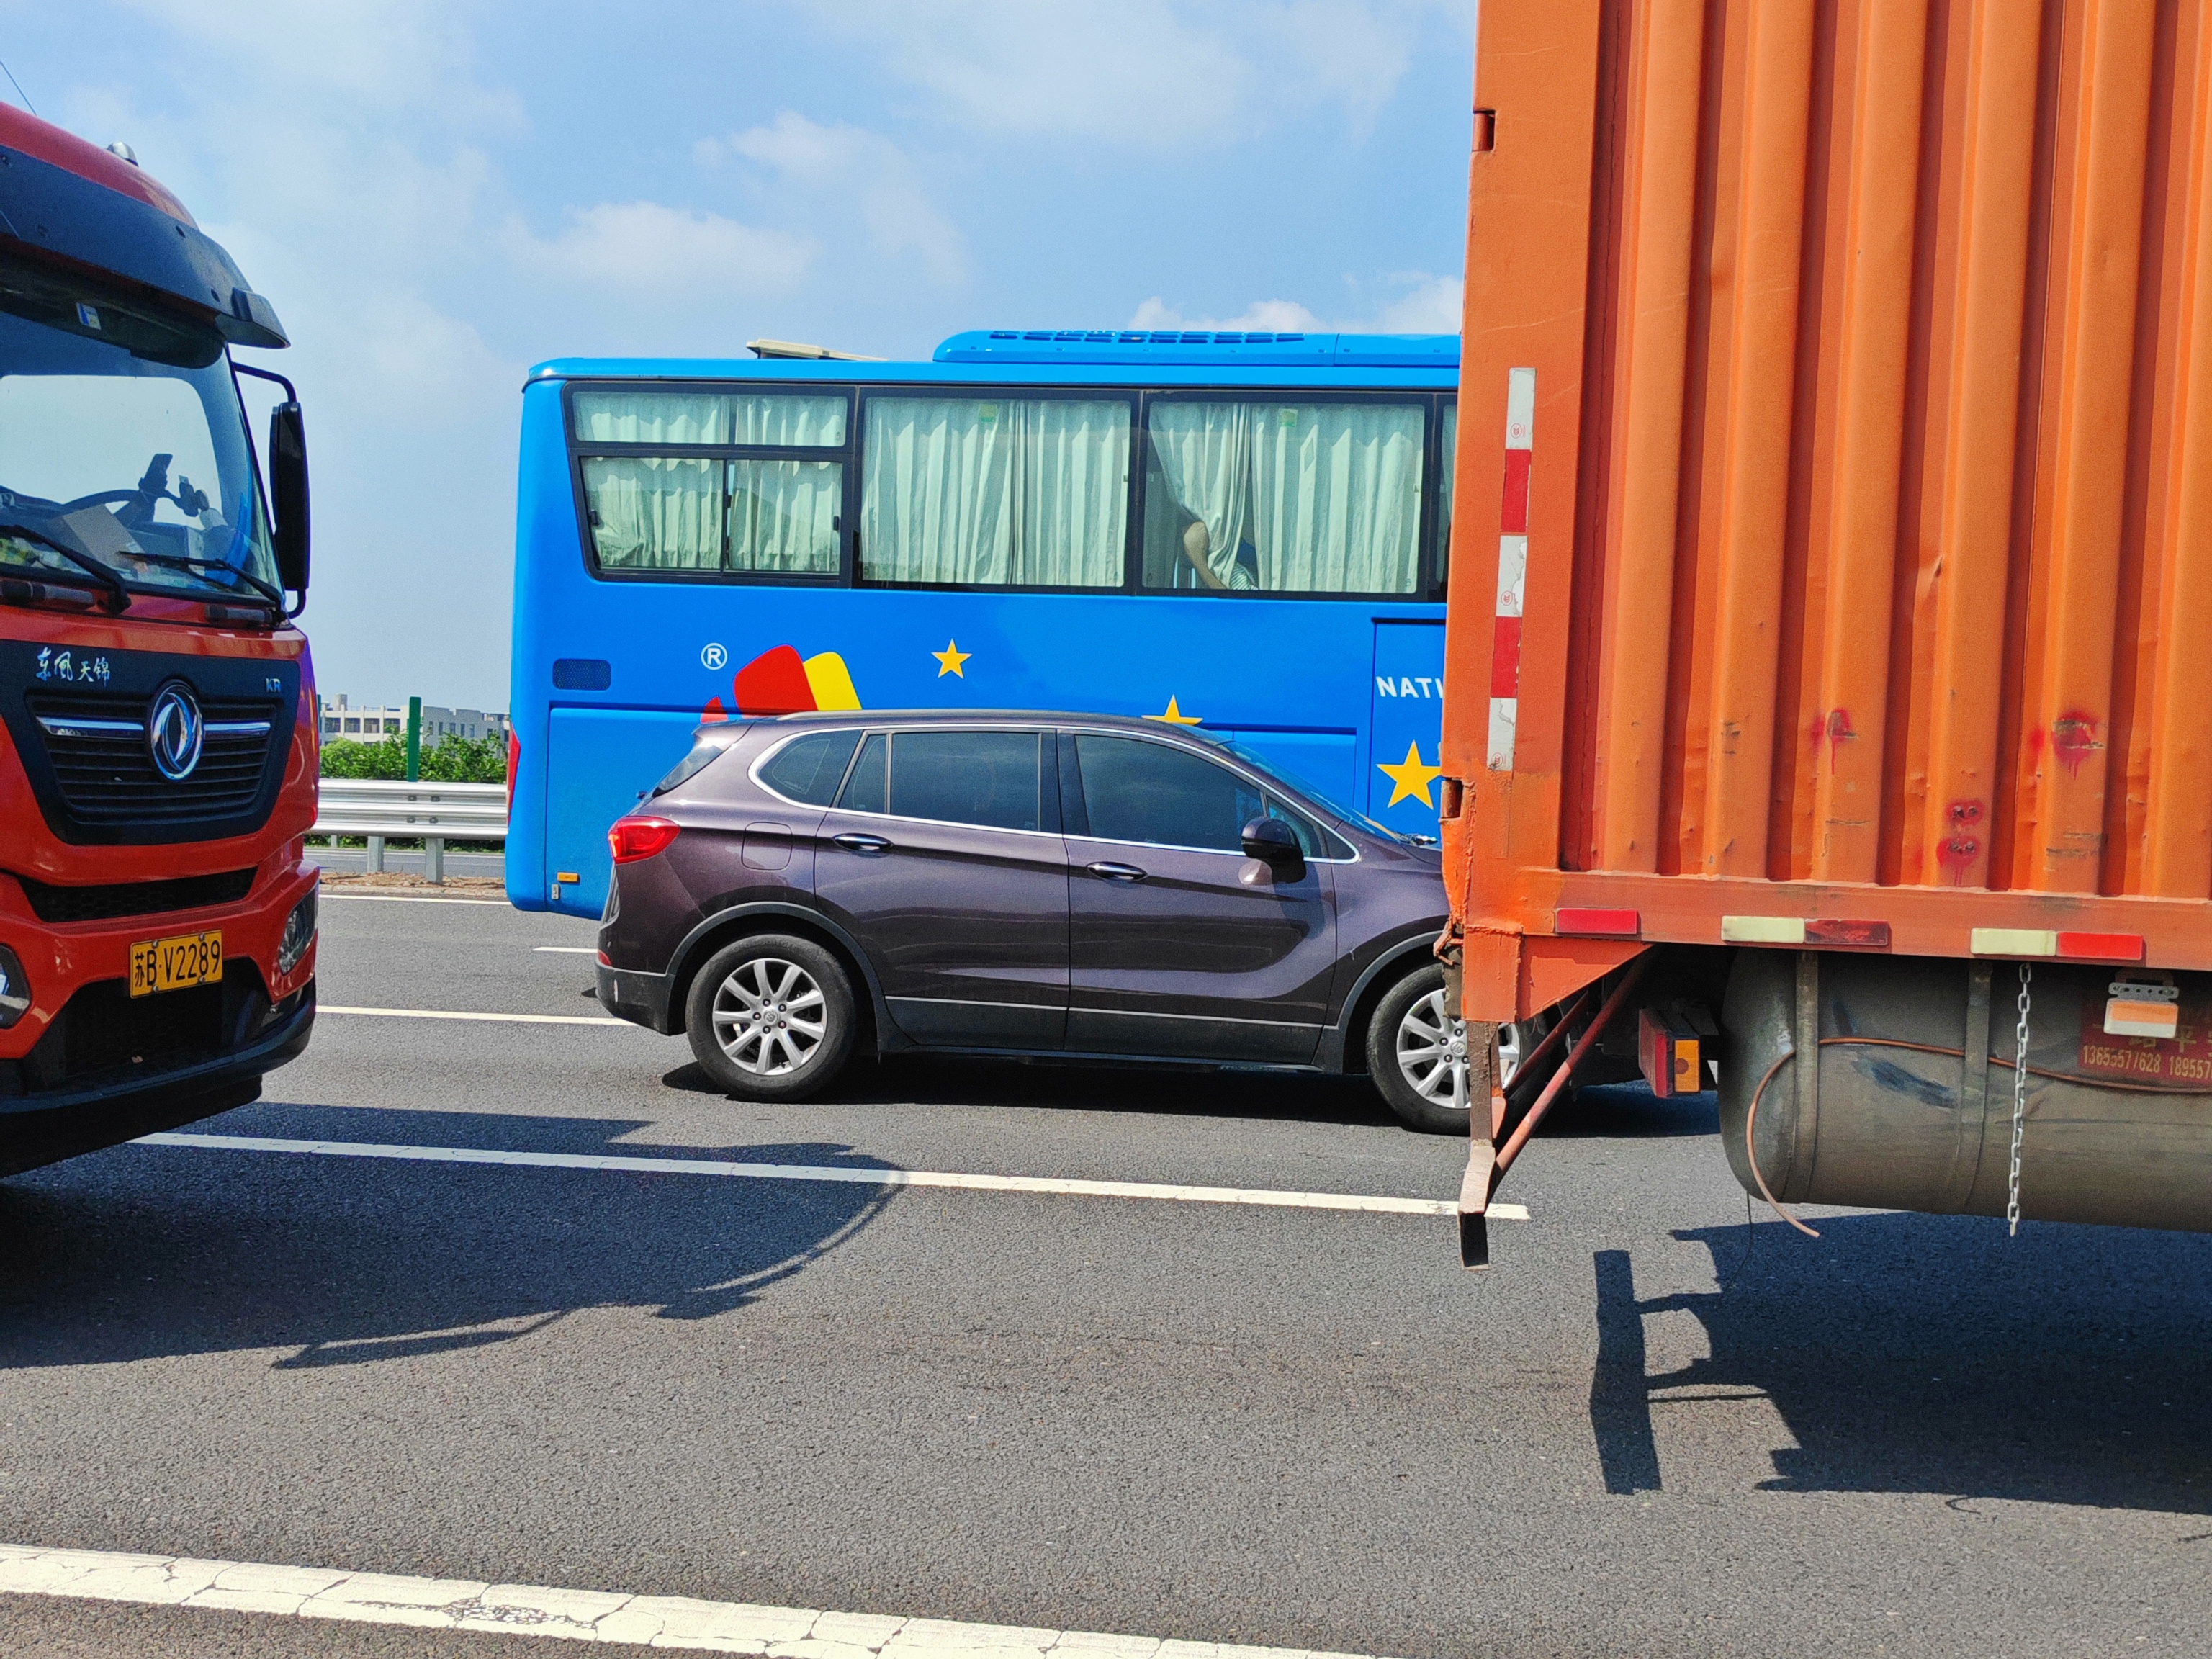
369 725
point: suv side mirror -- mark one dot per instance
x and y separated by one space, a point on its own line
288 491
1275 844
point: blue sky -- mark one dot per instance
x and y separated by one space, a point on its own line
436 195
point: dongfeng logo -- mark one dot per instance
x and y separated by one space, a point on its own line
174 731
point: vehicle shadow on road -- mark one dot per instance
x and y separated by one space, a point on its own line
1092 1086
1630 1111
1910 1353
144 1251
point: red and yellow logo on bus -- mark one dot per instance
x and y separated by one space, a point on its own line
781 682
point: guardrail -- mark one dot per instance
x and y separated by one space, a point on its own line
436 812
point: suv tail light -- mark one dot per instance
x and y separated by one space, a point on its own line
640 838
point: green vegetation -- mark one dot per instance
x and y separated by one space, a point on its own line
454 760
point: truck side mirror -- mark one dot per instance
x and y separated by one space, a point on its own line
288 490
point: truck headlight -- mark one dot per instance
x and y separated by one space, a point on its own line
298 934
14 989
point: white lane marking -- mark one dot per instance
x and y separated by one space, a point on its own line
450 1013
1263 1196
661 1621
409 898
566 950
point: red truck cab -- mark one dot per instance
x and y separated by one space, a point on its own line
159 741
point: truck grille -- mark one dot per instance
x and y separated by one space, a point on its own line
106 1029
111 900
95 742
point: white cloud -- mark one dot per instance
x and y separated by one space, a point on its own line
1428 305
1433 305
1272 316
838 164
1145 73
664 252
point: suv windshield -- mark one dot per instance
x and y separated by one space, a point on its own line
123 442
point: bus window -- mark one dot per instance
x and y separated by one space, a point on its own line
783 515
708 417
655 512
1283 498
995 491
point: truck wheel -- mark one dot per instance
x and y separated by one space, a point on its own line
770 1018
1416 1055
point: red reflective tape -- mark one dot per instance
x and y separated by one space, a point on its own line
2102 947
1606 924
1516 492
1849 935
1506 658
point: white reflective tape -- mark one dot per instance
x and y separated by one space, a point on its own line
1504 713
1512 573
2013 942
1762 930
1520 408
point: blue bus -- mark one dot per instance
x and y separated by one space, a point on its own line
1244 532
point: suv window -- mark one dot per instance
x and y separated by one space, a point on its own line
1133 790
984 778
808 769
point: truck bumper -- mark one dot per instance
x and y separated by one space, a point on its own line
45 1125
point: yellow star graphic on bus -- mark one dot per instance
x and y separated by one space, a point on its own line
1175 716
1411 777
949 659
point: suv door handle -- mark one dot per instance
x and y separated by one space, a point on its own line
856 843
1116 872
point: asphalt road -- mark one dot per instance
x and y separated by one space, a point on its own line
1294 1427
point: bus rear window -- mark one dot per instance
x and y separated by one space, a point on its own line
1283 498
995 492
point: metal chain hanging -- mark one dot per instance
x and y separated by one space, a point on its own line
2019 1104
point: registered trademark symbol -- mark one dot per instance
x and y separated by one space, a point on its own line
713 656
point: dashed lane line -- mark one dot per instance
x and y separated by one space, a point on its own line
566 950
453 1013
862 1175
677 1622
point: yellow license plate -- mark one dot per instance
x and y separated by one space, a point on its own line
172 964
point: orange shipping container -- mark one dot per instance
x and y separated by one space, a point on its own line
1835 486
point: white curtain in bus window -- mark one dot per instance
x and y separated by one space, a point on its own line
995 492
783 515
655 512
708 417
1285 498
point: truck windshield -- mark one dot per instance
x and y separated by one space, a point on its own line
123 442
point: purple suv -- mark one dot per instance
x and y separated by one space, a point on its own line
1022 884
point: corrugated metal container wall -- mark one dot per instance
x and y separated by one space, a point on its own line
1864 484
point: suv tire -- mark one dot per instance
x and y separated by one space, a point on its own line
1411 1043
770 1018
